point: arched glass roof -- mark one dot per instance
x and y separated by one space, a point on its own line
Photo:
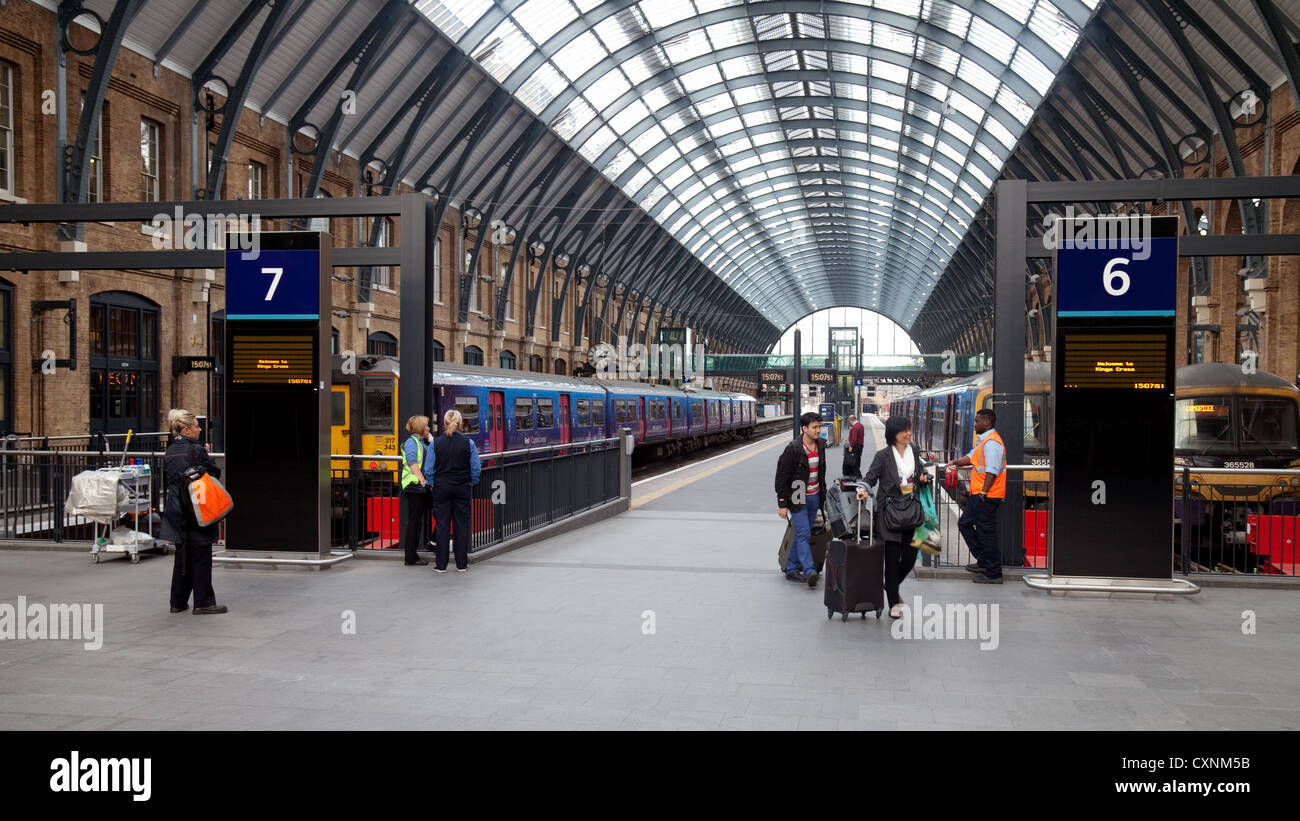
810 152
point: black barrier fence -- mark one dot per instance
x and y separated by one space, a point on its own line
1239 521
517 491
34 487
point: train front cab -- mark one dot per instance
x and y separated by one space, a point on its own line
1248 522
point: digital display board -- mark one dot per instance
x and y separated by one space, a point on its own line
821 377
778 377
1115 361
271 360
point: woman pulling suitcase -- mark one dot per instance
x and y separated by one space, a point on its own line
897 468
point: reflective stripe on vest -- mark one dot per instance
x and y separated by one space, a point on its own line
410 477
998 489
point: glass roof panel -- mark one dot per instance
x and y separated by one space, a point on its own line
895 111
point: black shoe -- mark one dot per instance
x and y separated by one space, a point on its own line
974 567
794 577
212 609
812 579
982 579
180 609
417 563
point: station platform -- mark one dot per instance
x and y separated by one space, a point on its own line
669 616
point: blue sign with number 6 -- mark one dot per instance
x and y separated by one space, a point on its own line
1100 281
274 285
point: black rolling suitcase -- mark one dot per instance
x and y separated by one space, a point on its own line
855 573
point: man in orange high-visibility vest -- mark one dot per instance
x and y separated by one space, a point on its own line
988 487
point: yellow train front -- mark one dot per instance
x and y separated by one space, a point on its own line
1225 418
363 414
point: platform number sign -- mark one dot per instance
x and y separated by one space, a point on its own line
1113 278
277 284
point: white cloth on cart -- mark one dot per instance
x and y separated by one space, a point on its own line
97 495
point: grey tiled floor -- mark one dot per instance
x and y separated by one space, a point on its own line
552 637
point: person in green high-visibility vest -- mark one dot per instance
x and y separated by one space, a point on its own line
417 483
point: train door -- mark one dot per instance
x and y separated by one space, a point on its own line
340 430
564 418
496 421
640 418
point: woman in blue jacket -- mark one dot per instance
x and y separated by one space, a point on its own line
456 470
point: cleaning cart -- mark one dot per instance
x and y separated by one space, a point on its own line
111 498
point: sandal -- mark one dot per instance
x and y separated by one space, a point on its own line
896 612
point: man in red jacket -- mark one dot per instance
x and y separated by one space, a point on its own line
853 451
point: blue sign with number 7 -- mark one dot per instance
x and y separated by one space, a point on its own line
274 285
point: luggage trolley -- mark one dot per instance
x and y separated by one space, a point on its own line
105 496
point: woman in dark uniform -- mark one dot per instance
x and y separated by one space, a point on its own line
192 571
455 471
898 469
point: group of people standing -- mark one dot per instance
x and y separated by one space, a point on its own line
895 471
438 475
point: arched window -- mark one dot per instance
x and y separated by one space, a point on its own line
439 352
535 364
123 363
560 368
6 357
507 360
382 344
473 355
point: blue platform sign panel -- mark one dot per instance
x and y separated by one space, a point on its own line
275 284
1106 278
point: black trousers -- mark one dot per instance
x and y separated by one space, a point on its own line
451 507
416 528
900 558
192 573
979 525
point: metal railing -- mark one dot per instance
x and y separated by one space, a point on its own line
1239 520
517 491
98 442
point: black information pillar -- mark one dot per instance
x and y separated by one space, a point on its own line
1112 433
277 393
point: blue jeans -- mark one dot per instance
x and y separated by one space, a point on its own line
801 558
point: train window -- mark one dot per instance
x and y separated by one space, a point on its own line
1202 423
1266 423
677 411
598 413
338 408
523 414
584 412
660 413
545 412
1036 421
620 411
697 410
377 405
468 407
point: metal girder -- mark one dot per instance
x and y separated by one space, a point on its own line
1283 45
508 163
530 198
315 49
177 33
466 141
154 260
1227 130
366 51
75 171
233 105
578 234
564 205
423 100
639 232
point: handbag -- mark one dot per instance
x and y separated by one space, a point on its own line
902 512
208 500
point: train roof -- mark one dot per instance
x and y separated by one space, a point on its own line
478 374
1225 374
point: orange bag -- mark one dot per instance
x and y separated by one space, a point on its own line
209 501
